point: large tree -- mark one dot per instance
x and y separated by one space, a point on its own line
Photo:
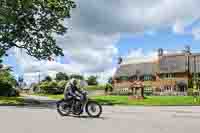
61 76
5 75
92 80
77 76
47 78
31 24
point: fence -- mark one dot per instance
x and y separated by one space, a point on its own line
167 93
126 91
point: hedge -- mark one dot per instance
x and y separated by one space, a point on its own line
94 87
52 87
6 89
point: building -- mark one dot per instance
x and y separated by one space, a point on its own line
175 72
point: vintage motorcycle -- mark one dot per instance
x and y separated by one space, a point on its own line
77 107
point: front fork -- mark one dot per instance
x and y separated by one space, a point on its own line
83 102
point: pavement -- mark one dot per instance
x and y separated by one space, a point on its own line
116 119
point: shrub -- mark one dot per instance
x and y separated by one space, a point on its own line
48 87
61 86
61 76
92 80
94 87
52 87
190 91
6 89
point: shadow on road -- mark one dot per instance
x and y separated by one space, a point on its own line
32 103
87 117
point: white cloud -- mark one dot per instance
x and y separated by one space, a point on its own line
132 16
103 76
138 56
97 25
179 27
196 33
93 53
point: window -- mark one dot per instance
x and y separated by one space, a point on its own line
142 78
167 75
148 77
124 78
134 77
171 75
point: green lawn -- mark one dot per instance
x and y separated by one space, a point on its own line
11 100
148 101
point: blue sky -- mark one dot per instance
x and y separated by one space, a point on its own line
119 28
163 38
148 42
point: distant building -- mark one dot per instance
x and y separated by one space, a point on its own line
169 72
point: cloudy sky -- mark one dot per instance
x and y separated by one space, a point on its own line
102 30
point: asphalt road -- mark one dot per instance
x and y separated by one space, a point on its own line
113 120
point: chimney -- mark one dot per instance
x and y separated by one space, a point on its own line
120 60
160 52
187 49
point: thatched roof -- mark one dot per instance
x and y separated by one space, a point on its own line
173 64
134 69
178 63
192 62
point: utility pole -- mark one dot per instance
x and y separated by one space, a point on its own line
188 53
194 80
39 77
39 80
188 70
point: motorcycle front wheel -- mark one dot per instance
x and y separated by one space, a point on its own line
63 108
93 109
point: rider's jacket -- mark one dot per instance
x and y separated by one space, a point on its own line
72 91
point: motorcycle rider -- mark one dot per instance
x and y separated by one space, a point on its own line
72 92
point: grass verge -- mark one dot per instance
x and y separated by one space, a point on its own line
148 101
11 100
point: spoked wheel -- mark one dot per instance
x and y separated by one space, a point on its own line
63 108
93 109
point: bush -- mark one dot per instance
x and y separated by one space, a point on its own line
190 91
94 87
48 87
6 89
52 87
61 86
92 80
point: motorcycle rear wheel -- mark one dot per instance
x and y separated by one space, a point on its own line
63 108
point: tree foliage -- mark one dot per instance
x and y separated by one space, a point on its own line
6 76
61 85
110 80
92 80
47 78
48 87
30 25
61 76
51 87
7 83
76 76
